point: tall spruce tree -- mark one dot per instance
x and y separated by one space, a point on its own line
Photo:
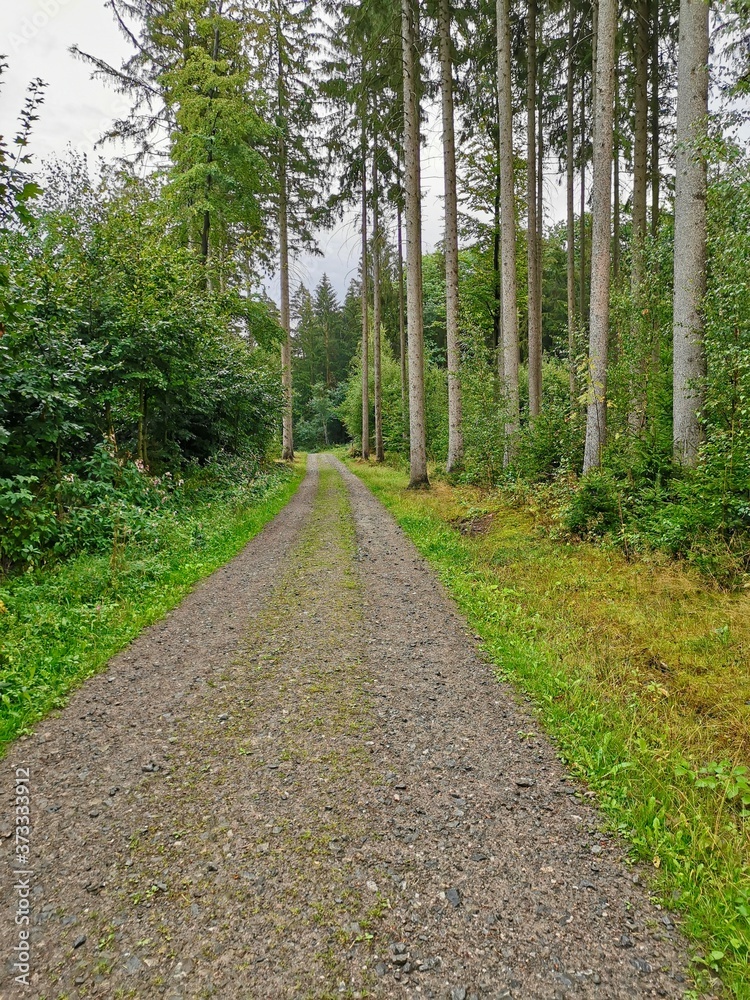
286 38
690 229
509 289
413 201
596 412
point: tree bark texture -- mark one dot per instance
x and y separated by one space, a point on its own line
571 232
413 199
636 416
596 414
534 279
376 309
455 422
402 323
365 309
616 181
655 138
690 229
582 217
287 442
509 291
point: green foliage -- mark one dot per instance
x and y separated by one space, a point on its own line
551 445
350 409
484 417
595 508
60 624
220 177
113 352
731 780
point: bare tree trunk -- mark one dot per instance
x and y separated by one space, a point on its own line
616 183
110 425
534 282
508 228
287 435
376 308
402 324
582 219
594 47
539 150
497 319
413 197
655 144
596 414
690 229
571 252
287 445
327 347
455 422
636 415
365 309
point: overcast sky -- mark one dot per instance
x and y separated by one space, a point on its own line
35 36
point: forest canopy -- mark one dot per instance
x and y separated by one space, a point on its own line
582 328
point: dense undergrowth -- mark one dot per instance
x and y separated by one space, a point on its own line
640 500
133 549
639 672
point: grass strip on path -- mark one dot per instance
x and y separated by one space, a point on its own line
62 624
638 672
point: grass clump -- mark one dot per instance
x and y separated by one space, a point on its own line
61 623
638 671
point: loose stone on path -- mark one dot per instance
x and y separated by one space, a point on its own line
322 791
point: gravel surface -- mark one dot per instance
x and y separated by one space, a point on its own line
306 783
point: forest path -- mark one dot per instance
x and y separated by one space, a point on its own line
305 783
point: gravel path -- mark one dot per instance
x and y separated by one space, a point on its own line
306 783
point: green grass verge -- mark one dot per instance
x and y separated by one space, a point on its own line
628 741
62 624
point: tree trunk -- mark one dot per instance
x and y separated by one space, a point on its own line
287 436
594 46
601 238
539 150
455 422
110 425
327 346
365 308
582 220
509 291
636 415
690 229
534 285
413 198
655 173
287 444
402 324
376 308
497 323
616 183
571 249
206 228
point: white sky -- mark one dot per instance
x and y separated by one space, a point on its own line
35 36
